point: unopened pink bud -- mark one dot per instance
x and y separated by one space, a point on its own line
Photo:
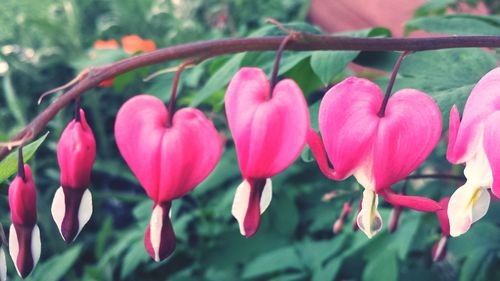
72 203
24 234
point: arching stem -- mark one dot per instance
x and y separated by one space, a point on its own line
388 91
274 76
173 93
77 109
20 163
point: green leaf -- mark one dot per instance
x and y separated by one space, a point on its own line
476 265
57 267
327 64
8 166
382 268
135 256
278 260
454 25
219 79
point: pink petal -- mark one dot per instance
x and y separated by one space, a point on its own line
22 200
269 134
348 121
406 135
76 152
168 162
417 203
442 215
491 145
453 131
317 148
483 101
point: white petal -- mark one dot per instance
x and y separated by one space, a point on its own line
478 169
369 220
3 266
267 196
36 245
155 226
85 210
58 208
241 198
13 246
468 204
240 204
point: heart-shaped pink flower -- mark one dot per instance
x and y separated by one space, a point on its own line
168 161
378 150
269 132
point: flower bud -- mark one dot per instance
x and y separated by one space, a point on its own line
72 204
24 234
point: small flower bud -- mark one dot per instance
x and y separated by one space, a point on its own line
72 203
24 235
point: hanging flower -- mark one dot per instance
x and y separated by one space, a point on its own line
72 203
378 150
24 234
269 131
168 157
474 141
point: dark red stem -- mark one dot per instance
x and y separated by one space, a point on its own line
388 91
20 163
173 93
279 53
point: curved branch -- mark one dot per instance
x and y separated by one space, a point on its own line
212 48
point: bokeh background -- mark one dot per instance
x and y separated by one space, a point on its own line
45 43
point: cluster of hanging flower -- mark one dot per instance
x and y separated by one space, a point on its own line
72 204
378 141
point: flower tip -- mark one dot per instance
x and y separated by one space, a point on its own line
71 210
159 238
251 199
439 249
25 248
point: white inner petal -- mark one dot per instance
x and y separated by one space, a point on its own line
240 204
478 169
155 226
3 266
267 196
36 245
364 174
58 208
14 246
85 210
468 204
369 219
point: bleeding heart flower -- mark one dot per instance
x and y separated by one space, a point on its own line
72 203
378 150
474 141
440 247
168 158
24 234
269 132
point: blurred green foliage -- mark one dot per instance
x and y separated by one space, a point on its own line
45 43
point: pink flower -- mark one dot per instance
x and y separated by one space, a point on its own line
72 203
168 161
24 234
378 150
269 132
474 141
